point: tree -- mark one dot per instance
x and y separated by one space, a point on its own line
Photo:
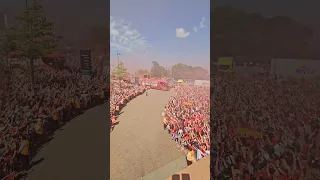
199 73
8 42
7 45
182 71
35 36
158 71
142 72
238 33
120 72
163 71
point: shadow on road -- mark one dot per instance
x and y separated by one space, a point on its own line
36 162
38 147
113 126
23 175
119 114
117 123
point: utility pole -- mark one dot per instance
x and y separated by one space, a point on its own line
118 68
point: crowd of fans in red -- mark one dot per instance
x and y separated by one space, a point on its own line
29 117
265 128
120 94
186 117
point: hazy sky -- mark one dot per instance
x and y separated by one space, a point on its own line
166 31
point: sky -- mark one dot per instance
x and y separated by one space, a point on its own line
166 31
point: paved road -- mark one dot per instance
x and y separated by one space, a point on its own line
64 157
139 145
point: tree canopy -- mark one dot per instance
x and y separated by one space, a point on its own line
8 42
119 72
36 36
238 33
158 71
7 45
142 72
182 71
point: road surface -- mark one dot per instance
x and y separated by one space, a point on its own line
139 147
78 152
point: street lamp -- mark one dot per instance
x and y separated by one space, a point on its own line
118 54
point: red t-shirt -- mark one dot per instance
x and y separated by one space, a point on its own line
199 130
264 174
305 148
247 177
13 130
274 140
306 118
187 137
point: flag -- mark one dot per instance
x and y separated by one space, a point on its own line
187 103
246 128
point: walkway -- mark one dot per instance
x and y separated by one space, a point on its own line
140 148
139 145
66 156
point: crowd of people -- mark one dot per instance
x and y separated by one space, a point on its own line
262 127
120 94
30 112
265 128
186 118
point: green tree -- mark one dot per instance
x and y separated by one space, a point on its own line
7 44
120 72
158 71
182 71
142 72
163 71
198 73
238 33
35 36
8 41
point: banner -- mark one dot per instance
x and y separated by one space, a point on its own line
85 62
246 131
187 103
